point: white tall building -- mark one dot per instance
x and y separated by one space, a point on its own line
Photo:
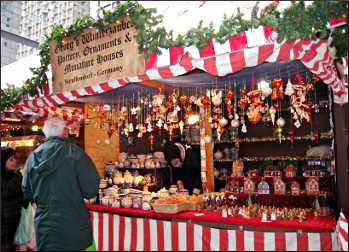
10 22
38 17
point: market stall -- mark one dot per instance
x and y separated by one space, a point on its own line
258 112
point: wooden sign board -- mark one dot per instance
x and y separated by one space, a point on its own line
96 57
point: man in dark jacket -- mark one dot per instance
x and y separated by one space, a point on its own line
11 198
58 176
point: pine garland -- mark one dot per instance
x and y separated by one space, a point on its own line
297 21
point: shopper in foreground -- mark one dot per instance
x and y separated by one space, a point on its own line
11 198
58 176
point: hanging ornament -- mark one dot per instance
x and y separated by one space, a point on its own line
316 136
189 110
151 141
207 139
297 124
291 134
184 100
149 127
205 101
277 83
130 128
265 88
170 131
289 88
279 131
280 122
223 122
181 126
244 128
134 111
281 93
230 94
216 97
169 105
158 100
235 123
110 132
272 112
316 78
274 95
159 123
220 131
230 107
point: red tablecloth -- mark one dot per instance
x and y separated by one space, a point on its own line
311 224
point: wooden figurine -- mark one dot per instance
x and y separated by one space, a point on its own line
290 171
312 186
238 169
252 173
249 186
279 186
295 189
233 186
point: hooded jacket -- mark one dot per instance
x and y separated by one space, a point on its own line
58 176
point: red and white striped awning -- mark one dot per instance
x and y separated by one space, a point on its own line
246 49
342 231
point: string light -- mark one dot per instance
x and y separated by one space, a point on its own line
343 31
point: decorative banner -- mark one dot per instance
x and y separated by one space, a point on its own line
96 57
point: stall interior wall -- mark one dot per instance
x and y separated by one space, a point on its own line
97 143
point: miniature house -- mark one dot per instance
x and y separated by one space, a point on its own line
279 186
249 186
295 189
272 171
312 186
290 171
263 187
252 173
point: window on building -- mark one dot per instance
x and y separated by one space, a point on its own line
8 19
5 43
8 25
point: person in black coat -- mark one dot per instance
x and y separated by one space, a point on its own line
11 198
184 166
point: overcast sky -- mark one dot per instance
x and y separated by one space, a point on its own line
180 16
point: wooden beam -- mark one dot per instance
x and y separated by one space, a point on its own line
209 152
157 84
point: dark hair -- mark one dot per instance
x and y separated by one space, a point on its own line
171 152
6 153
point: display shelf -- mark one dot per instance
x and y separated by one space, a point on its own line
224 160
221 179
284 158
140 169
323 135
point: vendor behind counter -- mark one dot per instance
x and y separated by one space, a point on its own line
184 166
